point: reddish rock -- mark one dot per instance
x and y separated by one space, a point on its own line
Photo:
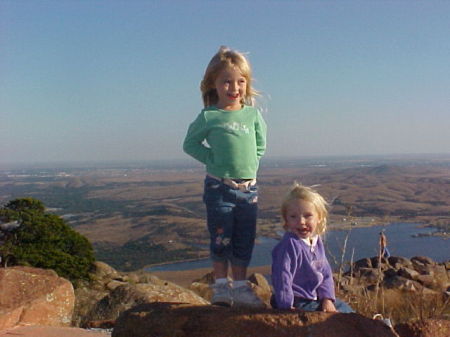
127 296
103 324
427 328
32 296
46 331
185 320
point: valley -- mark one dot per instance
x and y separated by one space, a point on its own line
138 216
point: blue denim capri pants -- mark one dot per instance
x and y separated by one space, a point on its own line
231 220
311 305
315 305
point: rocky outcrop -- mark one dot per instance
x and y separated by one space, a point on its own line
46 331
418 274
111 293
149 306
427 328
34 296
182 320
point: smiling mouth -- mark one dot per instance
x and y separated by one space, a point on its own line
236 96
302 232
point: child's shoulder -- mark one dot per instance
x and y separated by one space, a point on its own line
289 239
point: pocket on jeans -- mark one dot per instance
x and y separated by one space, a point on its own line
253 188
212 190
212 184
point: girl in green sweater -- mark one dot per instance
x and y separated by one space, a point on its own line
229 137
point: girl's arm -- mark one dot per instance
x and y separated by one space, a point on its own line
193 142
261 131
326 288
284 263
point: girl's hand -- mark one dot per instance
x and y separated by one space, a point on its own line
328 306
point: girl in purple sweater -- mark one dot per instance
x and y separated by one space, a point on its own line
301 275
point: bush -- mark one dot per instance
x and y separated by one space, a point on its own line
44 240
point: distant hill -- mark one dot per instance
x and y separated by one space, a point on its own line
156 215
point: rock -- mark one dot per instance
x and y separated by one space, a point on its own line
363 263
370 275
201 289
345 280
398 261
355 289
100 299
422 260
46 331
127 296
447 265
207 278
182 320
401 283
408 273
114 284
103 270
261 287
426 328
260 281
32 296
427 280
391 272
384 262
104 324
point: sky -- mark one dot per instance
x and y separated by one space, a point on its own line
119 80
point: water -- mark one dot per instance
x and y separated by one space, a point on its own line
364 242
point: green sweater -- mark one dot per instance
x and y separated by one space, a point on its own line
236 140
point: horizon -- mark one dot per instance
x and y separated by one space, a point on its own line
189 163
98 80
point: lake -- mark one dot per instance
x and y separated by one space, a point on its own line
362 241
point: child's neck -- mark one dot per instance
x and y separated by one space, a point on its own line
230 107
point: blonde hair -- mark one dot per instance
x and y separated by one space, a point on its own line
301 192
223 59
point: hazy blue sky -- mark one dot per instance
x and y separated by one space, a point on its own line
119 80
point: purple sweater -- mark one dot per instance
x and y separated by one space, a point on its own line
300 270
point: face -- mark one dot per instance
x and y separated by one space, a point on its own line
231 88
301 218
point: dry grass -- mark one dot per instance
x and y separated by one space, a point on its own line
399 306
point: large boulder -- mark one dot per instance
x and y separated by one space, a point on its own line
47 331
32 296
183 320
128 295
110 292
425 328
419 273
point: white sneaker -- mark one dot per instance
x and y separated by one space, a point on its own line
245 296
386 321
222 295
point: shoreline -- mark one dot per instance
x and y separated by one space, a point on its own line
360 223
173 262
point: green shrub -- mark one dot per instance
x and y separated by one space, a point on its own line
44 240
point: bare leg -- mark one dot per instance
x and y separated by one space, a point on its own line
220 269
239 273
